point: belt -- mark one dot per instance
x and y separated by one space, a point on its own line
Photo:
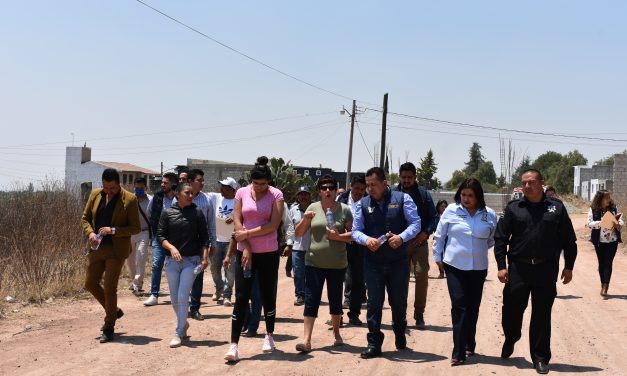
532 261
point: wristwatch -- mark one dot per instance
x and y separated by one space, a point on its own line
112 230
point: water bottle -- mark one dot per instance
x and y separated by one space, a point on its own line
330 219
198 269
95 247
382 239
247 272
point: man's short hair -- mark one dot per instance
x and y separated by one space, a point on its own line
538 173
193 173
140 181
171 176
358 179
407 166
111 174
377 171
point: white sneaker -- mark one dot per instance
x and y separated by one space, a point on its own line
175 342
151 301
232 355
227 302
217 296
268 344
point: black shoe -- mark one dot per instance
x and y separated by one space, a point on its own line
249 334
119 314
107 335
299 301
507 350
400 342
542 367
420 321
370 353
196 315
355 321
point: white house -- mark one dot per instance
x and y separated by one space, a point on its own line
82 174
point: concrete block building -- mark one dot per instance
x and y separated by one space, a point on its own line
588 180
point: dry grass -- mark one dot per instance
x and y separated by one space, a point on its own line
41 243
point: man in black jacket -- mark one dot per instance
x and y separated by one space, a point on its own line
160 201
354 280
528 242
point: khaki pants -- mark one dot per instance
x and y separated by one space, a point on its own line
104 261
136 261
419 263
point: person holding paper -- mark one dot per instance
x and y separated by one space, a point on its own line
605 222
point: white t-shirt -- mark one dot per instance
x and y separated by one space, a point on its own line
224 210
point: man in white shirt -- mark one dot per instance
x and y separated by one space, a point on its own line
223 203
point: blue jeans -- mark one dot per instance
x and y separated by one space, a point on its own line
180 276
392 276
465 288
298 263
254 309
224 287
158 258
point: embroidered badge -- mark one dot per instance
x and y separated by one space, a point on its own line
370 209
552 209
484 217
393 206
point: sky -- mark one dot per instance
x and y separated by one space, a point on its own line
138 87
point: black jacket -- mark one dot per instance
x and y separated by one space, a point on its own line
540 230
185 228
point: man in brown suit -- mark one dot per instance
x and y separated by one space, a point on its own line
110 217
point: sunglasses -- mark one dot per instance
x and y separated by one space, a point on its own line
327 188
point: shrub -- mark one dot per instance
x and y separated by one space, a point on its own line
41 242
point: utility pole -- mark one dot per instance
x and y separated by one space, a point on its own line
383 128
350 145
161 168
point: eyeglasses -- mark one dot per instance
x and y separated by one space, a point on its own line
327 188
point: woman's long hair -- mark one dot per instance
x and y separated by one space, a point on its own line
597 201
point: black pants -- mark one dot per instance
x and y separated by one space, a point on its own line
354 287
465 287
392 276
605 255
539 281
266 268
314 284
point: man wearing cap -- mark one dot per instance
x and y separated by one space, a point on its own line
300 245
223 203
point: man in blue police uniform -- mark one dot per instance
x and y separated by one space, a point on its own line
531 235
385 221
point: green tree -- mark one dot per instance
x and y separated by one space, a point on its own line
561 174
485 173
524 165
547 160
285 178
457 178
475 159
426 171
393 178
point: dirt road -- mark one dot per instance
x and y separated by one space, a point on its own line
589 335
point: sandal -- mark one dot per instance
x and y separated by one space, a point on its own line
304 348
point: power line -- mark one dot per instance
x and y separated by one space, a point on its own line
244 54
177 130
500 129
364 140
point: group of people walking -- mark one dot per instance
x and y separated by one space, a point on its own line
368 238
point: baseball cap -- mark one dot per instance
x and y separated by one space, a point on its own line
303 188
230 182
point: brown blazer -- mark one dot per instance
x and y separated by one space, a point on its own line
125 220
